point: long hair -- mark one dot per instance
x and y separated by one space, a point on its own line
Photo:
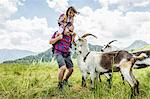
71 8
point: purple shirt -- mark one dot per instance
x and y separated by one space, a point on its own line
63 45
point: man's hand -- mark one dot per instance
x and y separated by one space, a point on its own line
57 37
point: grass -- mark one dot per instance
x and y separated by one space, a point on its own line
40 82
147 47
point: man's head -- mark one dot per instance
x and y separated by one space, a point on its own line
69 29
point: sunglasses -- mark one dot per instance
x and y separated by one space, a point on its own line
70 30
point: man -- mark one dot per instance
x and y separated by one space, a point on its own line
62 52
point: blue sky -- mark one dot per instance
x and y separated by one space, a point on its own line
29 24
39 8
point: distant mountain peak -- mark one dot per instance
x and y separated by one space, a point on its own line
137 44
140 41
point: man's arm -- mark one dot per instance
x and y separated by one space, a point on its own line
54 40
73 38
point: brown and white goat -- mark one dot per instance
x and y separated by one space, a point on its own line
98 62
138 64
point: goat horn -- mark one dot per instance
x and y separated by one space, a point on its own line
111 41
88 34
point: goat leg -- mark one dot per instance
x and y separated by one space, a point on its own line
122 78
83 82
92 75
84 74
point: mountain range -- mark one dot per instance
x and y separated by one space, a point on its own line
45 56
13 54
48 55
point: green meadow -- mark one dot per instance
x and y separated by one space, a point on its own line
39 81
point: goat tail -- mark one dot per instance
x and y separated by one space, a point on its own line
137 58
140 57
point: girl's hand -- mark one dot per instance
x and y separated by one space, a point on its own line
73 37
60 36
74 34
57 34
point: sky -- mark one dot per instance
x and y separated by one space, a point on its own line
29 24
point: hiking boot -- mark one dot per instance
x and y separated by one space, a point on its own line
65 82
60 85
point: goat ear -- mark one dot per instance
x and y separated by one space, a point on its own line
81 39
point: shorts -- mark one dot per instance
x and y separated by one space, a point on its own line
64 59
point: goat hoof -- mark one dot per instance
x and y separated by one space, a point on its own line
110 86
92 88
123 83
83 86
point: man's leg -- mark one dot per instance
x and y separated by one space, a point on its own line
69 65
61 72
70 71
62 69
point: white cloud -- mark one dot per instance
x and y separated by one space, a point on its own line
8 7
58 5
109 25
124 5
30 34
104 3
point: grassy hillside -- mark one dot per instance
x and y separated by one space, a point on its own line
147 47
40 81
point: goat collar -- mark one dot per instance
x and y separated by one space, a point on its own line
84 59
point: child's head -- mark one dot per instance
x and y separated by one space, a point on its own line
71 11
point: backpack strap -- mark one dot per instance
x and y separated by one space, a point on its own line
53 45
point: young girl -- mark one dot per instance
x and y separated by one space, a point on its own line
65 19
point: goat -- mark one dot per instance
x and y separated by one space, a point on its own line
138 64
100 62
108 48
143 63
